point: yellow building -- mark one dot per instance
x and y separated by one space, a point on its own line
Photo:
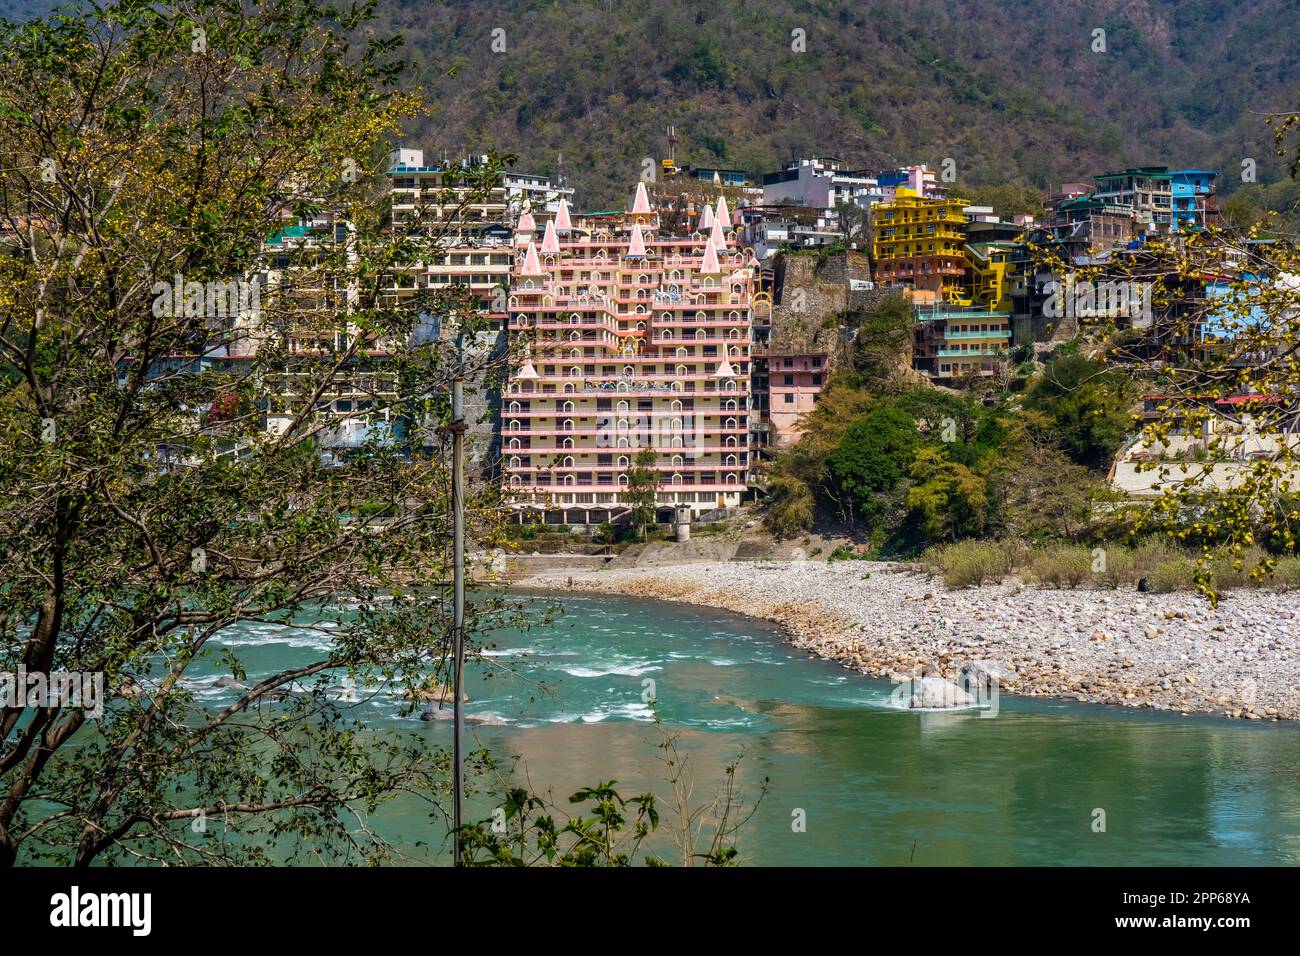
922 242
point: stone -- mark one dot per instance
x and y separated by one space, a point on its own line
937 693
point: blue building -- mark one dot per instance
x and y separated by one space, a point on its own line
1193 198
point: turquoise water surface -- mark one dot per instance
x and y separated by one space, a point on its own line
875 784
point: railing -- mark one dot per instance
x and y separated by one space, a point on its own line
969 353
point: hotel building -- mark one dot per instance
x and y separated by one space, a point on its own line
624 338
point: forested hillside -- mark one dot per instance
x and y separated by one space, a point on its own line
1012 91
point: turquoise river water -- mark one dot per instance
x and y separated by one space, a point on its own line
873 783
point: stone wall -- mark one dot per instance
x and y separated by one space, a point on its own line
811 296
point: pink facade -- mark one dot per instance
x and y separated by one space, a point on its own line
794 382
629 339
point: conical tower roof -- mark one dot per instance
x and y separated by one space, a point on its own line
532 265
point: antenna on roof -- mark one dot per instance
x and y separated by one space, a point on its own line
672 144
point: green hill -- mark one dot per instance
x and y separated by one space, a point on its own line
1012 90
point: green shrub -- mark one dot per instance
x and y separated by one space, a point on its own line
1118 566
844 553
1286 577
970 563
1175 574
1062 565
789 506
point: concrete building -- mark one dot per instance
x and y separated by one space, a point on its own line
1193 198
1148 190
919 179
820 184
921 242
955 341
629 339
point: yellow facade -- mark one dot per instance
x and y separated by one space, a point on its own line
922 241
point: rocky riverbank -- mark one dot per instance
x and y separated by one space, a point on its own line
1162 651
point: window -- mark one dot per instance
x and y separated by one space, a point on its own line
789 398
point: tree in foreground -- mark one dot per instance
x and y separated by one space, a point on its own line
1206 324
642 489
162 478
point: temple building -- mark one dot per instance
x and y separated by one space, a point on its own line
623 338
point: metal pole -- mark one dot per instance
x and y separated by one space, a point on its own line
458 599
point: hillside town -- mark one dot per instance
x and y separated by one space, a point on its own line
703 320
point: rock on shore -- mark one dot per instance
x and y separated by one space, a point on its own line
1163 651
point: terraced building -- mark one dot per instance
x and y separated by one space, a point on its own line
627 338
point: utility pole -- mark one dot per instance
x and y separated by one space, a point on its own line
458 595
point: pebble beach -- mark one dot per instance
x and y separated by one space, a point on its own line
1172 652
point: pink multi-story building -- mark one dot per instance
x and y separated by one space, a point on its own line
794 380
627 339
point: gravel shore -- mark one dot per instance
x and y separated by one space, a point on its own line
1163 651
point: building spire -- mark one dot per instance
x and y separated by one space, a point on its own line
532 265
723 213
641 204
636 248
717 238
562 222
550 241
526 226
710 266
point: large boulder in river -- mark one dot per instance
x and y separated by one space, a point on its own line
935 693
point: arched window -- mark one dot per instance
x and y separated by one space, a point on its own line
678 461
568 461
514 443
514 408
729 423
567 443
516 462
623 406
567 407
622 461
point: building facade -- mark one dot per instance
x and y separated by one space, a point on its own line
627 339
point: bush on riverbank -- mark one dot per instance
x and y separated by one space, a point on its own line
1165 567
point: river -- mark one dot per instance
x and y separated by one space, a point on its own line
870 782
